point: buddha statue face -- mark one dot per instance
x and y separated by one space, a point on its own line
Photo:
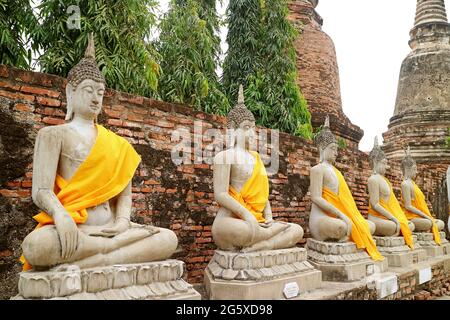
245 134
330 153
381 166
411 173
86 99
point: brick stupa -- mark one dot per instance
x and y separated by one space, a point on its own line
319 73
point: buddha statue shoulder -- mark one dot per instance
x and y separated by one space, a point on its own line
82 176
414 202
241 188
334 215
384 209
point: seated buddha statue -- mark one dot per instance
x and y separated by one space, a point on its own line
241 188
334 214
384 209
82 176
414 202
448 195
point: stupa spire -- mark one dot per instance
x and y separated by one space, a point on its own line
430 11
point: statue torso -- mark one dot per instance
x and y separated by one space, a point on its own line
383 187
241 168
76 143
330 180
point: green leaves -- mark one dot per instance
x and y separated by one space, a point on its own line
261 56
120 28
16 23
190 48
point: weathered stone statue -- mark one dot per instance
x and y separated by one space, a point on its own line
82 176
414 202
256 255
448 195
241 188
385 211
334 214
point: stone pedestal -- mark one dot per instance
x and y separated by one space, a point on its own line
426 241
259 275
419 253
146 281
341 262
394 249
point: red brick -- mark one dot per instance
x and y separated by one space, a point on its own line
151 182
23 107
49 120
135 117
115 122
6 253
40 91
48 101
171 190
4 72
16 96
113 113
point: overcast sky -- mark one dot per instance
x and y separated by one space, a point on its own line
371 39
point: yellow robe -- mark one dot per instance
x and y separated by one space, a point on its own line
345 203
420 203
105 173
396 210
255 192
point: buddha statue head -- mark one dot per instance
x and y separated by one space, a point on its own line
241 123
85 86
327 144
409 166
378 160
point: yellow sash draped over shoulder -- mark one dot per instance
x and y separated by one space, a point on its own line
393 206
255 192
105 173
420 203
345 203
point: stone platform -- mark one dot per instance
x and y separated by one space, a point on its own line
146 281
394 249
426 241
259 275
340 262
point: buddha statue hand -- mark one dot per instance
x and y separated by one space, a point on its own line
397 228
67 232
121 225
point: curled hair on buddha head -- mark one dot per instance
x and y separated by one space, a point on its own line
85 69
325 137
239 113
407 162
376 155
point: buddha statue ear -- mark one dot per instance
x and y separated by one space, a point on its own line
69 97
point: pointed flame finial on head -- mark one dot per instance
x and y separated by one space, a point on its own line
327 122
90 49
241 95
375 142
407 161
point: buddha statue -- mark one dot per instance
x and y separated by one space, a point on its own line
448 195
414 202
241 188
82 176
384 209
334 214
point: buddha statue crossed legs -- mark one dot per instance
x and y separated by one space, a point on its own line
82 183
241 188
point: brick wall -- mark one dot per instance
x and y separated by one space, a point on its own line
164 194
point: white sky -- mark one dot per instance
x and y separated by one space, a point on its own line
371 39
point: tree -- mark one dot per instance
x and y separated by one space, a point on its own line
16 22
244 33
190 50
121 28
269 70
